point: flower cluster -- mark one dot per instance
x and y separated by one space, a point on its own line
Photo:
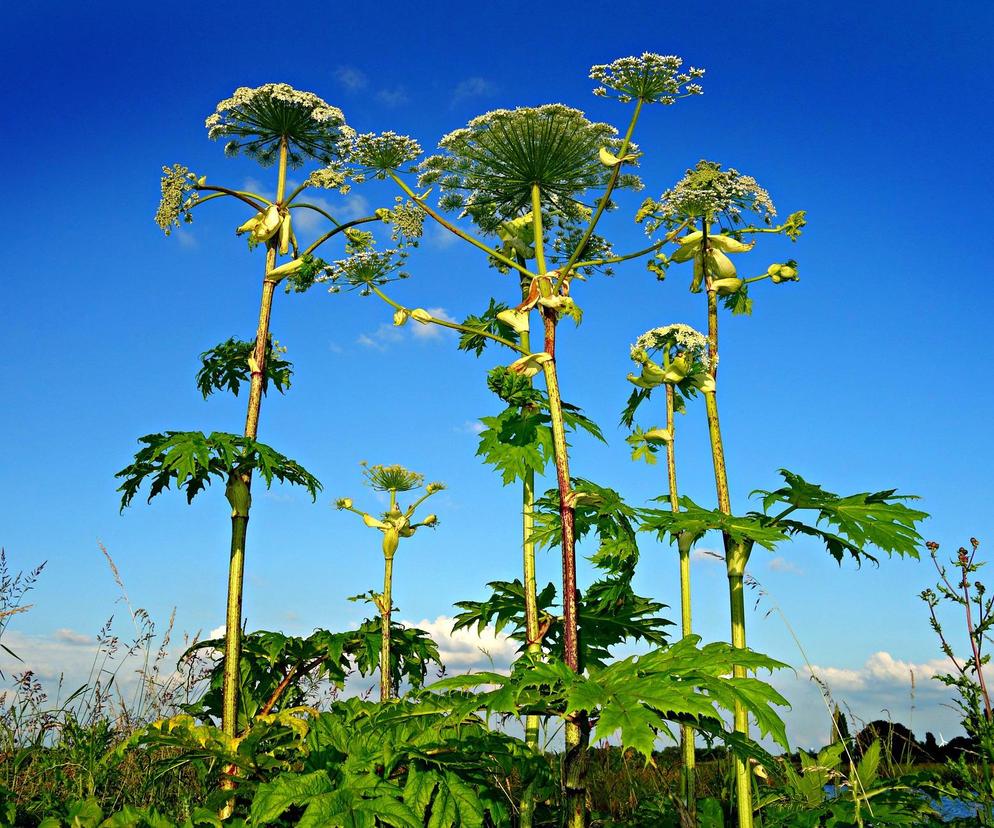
364 270
395 479
681 338
707 192
650 78
675 355
487 169
406 221
383 153
258 120
331 177
179 194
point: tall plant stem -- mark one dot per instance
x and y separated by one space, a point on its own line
578 726
534 645
686 627
736 554
386 608
239 523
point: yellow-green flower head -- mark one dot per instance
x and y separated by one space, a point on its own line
364 270
257 120
178 197
385 152
486 170
406 221
672 342
708 192
437 486
332 177
392 478
650 78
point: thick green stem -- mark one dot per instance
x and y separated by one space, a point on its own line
577 728
684 543
534 645
574 771
386 608
233 619
736 553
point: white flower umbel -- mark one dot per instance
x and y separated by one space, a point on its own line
487 169
679 337
257 120
383 153
709 192
650 78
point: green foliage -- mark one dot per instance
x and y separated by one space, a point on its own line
696 521
486 322
402 764
637 697
860 796
191 459
412 650
597 509
227 366
879 519
519 439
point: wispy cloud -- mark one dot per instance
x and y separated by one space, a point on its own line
393 96
471 427
781 564
387 334
707 555
65 635
382 338
473 87
882 673
429 331
351 78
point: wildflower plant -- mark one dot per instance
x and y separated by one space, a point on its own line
273 124
395 523
676 358
534 182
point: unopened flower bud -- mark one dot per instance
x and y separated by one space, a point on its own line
401 316
343 503
421 315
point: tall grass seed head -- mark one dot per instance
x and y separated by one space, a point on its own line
650 78
256 120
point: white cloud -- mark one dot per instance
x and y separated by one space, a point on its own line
781 564
465 649
351 78
382 338
395 96
707 555
388 334
186 239
471 427
429 331
882 673
473 87
440 238
68 636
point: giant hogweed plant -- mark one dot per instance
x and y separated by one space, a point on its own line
713 201
272 124
395 523
674 357
522 176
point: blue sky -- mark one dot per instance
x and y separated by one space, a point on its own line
867 374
